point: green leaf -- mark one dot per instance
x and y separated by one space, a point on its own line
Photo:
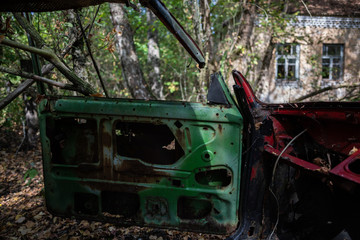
30 174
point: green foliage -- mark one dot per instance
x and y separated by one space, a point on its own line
12 114
177 67
179 73
30 174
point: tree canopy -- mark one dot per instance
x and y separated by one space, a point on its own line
228 32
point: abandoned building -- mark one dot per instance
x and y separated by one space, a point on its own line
321 51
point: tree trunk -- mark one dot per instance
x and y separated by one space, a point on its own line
208 42
247 26
156 85
31 116
77 51
244 31
199 33
266 61
129 61
1 53
31 122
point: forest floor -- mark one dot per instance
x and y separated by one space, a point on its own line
23 214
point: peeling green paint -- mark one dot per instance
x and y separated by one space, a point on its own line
154 163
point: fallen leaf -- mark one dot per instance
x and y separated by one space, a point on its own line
46 234
96 95
258 125
86 233
318 161
75 238
324 170
20 220
39 216
23 230
9 224
93 226
171 145
353 150
29 224
63 237
84 223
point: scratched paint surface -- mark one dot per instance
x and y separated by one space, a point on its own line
167 164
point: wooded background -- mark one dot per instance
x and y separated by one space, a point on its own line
127 52
115 50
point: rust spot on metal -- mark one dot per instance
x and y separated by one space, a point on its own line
134 167
106 139
180 137
122 170
253 172
157 208
116 187
73 141
220 128
188 135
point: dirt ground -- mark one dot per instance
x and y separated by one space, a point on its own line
23 214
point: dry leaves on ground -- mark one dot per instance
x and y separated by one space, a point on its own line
24 216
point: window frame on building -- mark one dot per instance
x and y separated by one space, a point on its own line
333 61
290 60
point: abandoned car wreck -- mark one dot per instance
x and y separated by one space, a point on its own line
234 165
227 167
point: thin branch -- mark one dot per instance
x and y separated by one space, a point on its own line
36 77
317 92
27 83
10 97
30 29
267 16
41 52
306 8
45 70
49 67
90 53
92 22
44 51
83 87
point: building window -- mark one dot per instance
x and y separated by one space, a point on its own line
287 62
332 61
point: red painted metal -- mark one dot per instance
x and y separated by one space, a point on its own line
291 159
334 127
241 81
344 171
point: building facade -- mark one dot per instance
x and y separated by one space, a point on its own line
323 51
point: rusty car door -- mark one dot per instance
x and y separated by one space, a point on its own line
153 163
